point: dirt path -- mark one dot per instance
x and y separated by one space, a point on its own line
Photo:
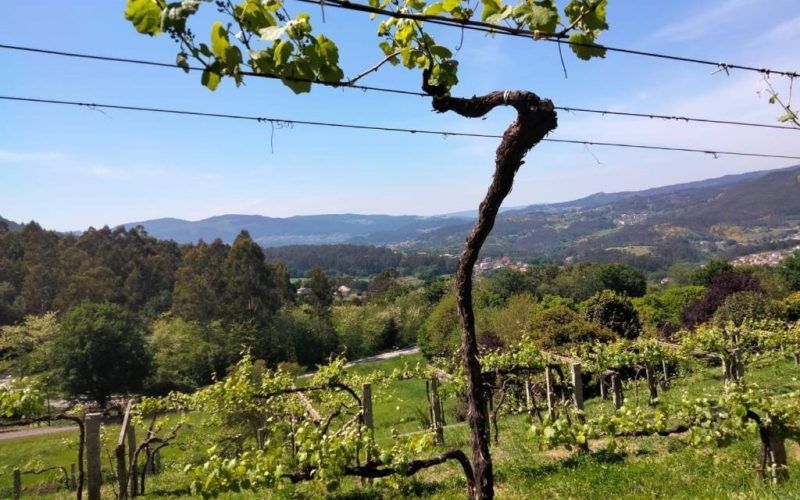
386 355
36 431
39 431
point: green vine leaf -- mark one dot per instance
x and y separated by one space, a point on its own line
210 79
145 15
585 52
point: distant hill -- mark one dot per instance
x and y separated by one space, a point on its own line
652 228
358 260
299 230
13 226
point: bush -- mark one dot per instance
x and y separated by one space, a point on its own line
561 327
614 312
741 306
663 310
722 285
792 303
184 358
440 333
508 324
790 270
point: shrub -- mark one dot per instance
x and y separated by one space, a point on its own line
663 310
793 307
747 305
561 327
614 312
722 285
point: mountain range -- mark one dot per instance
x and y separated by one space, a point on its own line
730 215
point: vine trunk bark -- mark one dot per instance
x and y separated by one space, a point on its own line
535 119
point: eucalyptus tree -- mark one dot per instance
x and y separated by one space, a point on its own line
262 37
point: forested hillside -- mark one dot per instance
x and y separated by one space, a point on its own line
652 229
358 260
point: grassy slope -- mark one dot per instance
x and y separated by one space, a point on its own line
652 467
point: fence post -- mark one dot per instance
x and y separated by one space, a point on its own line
577 386
436 411
73 482
157 461
665 379
601 380
366 413
366 405
261 437
122 473
650 375
93 455
17 484
551 396
528 395
119 452
616 387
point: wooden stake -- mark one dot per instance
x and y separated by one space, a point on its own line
94 476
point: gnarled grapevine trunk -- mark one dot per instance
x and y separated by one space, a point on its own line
535 119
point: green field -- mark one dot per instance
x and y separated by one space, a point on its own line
654 467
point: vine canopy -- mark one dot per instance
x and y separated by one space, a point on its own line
262 37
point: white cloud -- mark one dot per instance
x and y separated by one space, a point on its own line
702 23
7 156
787 30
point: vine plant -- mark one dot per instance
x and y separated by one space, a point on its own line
265 37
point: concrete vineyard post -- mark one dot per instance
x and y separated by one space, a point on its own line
122 468
551 396
436 411
650 375
616 388
577 385
665 378
17 485
366 405
122 473
261 437
601 380
528 395
94 475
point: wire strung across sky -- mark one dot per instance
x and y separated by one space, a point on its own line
443 133
485 27
345 84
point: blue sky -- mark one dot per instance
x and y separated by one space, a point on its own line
71 168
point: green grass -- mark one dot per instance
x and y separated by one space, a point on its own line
656 467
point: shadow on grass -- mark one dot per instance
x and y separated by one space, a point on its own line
574 461
414 489
163 492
